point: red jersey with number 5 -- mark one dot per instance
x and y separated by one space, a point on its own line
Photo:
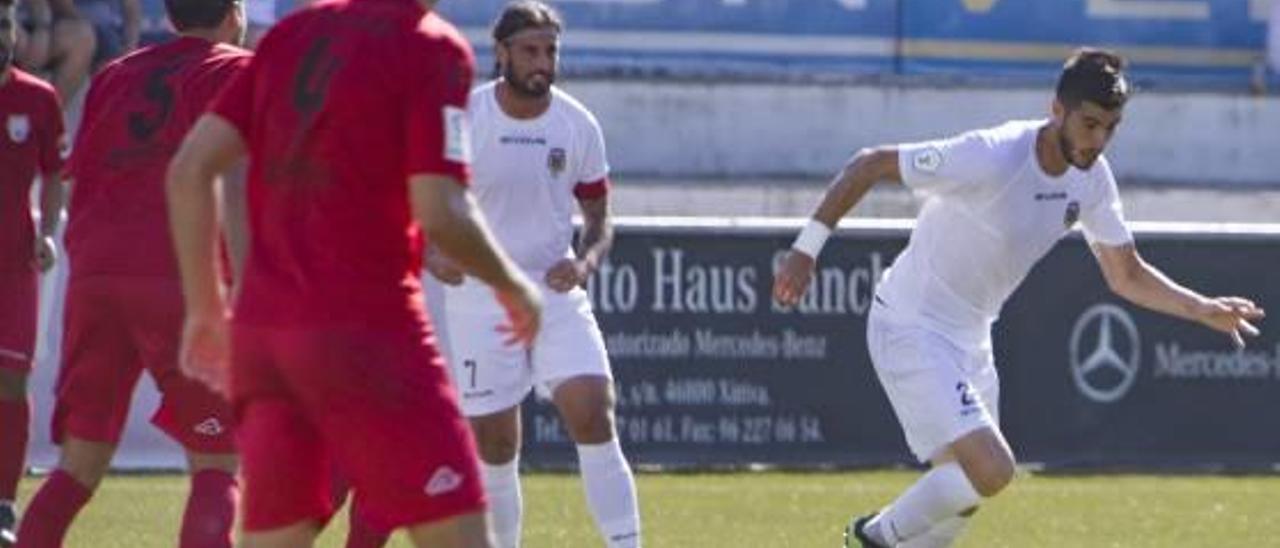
136 114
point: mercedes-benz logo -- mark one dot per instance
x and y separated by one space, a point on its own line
1105 353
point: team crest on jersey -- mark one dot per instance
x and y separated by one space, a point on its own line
556 160
19 126
927 160
1072 215
457 135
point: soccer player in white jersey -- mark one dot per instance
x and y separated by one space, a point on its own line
539 157
995 201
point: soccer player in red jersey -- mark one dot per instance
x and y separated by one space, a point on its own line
352 116
31 144
124 300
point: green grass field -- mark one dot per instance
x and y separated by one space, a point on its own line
803 510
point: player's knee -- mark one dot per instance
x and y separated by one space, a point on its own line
986 460
497 447
497 435
586 404
86 461
991 476
226 462
590 426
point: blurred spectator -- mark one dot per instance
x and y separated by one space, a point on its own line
117 25
264 13
261 15
1273 38
54 39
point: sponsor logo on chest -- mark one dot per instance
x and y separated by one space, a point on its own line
18 126
522 140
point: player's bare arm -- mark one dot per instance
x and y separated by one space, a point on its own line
593 247
1129 276
448 214
441 266
212 147
52 195
132 23
235 217
864 170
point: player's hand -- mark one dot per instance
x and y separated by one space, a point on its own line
206 350
524 312
793 277
46 253
1233 316
442 267
567 274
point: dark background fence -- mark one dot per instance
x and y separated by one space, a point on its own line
710 372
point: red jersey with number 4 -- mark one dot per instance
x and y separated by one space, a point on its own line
136 114
31 144
342 103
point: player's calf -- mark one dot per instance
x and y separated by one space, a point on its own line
586 403
986 460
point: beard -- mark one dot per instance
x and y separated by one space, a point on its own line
526 87
1070 151
6 58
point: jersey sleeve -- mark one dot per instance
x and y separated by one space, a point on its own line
1103 221
593 169
210 86
964 162
53 139
437 135
75 160
234 103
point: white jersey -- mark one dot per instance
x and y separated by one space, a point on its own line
527 175
990 213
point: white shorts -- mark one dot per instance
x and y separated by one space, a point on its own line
939 390
491 376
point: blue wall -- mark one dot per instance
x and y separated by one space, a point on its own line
1171 43
1200 43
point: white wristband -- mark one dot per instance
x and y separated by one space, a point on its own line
812 238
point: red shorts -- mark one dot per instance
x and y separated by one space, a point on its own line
19 295
114 329
377 404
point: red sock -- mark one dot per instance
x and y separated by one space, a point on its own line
211 510
15 425
50 513
363 535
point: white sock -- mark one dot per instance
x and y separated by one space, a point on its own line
611 493
941 493
941 535
502 485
